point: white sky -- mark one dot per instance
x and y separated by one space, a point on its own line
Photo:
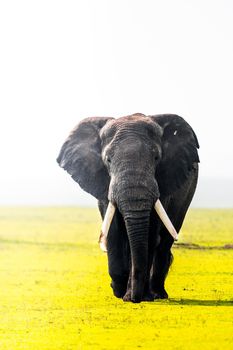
61 61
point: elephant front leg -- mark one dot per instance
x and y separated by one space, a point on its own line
161 264
118 272
118 256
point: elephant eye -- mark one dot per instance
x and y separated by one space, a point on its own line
108 159
106 156
157 152
157 155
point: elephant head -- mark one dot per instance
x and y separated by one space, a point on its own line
131 162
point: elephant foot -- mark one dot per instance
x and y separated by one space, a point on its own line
146 297
127 296
118 289
161 294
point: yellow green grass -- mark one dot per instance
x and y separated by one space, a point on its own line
55 294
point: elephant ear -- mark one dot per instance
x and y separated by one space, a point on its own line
80 156
179 152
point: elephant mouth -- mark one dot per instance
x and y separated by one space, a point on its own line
110 214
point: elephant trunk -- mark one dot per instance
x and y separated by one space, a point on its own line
137 226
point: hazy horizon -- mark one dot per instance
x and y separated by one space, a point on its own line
210 193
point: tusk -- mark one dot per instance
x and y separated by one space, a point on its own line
106 225
165 219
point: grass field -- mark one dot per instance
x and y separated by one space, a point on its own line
55 290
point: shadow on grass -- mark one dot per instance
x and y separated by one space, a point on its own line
197 302
201 247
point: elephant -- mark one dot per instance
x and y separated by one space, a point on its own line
133 165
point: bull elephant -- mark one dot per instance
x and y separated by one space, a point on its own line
132 165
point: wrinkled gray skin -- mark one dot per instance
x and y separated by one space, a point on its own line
132 161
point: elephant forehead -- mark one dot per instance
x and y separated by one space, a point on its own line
135 122
134 119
